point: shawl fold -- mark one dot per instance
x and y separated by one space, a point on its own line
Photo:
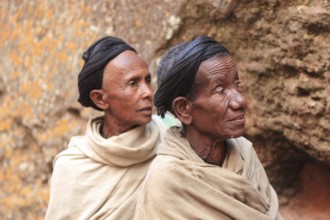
97 178
180 185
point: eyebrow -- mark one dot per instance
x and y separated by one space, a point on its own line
138 77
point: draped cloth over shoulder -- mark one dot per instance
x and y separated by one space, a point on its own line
97 178
180 185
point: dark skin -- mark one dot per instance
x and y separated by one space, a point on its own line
214 111
126 94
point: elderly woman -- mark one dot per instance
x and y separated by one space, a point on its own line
100 173
204 169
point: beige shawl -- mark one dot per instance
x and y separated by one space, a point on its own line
180 185
97 178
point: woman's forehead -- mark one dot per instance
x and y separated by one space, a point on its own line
125 63
217 68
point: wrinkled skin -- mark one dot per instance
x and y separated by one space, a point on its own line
217 108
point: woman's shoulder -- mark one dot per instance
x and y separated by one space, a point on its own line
242 141
244 147
242 144
161 162
71 155
160 167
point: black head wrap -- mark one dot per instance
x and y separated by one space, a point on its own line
96 57
178 67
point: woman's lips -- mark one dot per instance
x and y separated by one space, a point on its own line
240 119
146 110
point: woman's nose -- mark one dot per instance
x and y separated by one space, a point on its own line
146 91
238 100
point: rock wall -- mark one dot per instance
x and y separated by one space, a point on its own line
282 53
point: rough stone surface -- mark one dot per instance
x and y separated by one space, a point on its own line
311 199
281 49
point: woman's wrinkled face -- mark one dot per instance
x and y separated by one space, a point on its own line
127 90
218 106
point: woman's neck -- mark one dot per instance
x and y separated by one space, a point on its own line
211 150
112 128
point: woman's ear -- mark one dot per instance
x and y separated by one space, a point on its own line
181 106
97 96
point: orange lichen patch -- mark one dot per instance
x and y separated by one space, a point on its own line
25 191
43 195
2 176
19 109
16 200
15 75
29 61
18 158
50 87
6 119
6 141
5 124
34 91
41 192
5 35
71 46
62 126
41 137
48 76
31 89
34 148
27 113
138 23
62 57
8 152
12 180
15 58
24 197
17 16
49 14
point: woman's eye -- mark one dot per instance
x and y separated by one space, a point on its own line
220 89
133 83
148 80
